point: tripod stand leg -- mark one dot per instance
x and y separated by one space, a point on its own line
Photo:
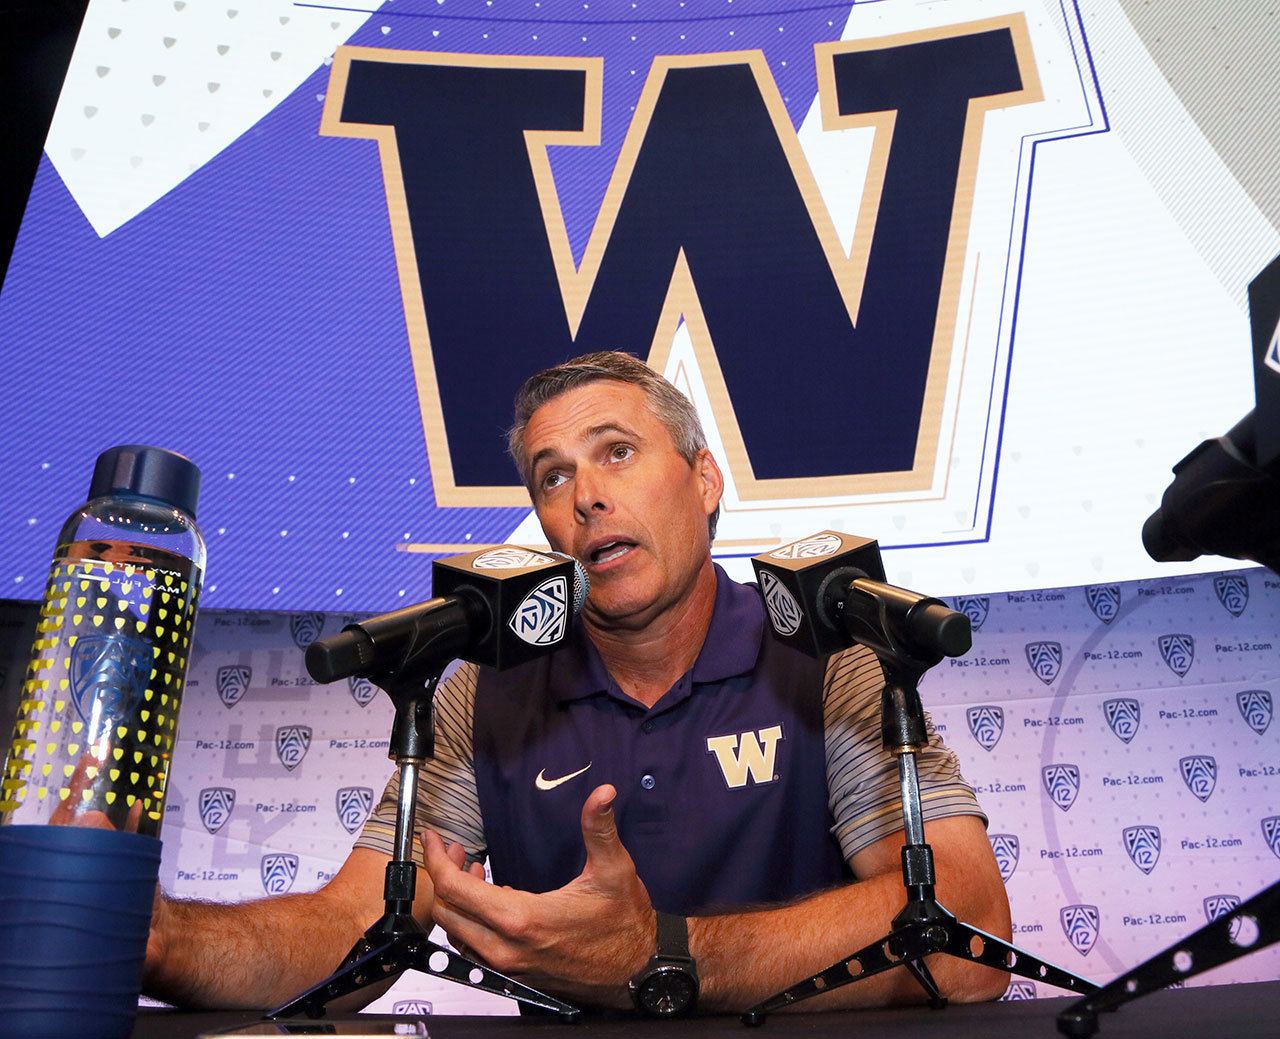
881 955
968 943
415 952
1250 926
920 971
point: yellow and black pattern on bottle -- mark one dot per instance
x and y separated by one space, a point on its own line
98 712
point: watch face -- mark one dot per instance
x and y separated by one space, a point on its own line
667 991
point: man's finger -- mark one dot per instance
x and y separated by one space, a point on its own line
600 833
464 891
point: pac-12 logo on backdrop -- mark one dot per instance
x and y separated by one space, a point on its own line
216 803
232 681
1200 773
735 241
362 690
1104 601
353 804
1045 659
278 871
1006 848
986 725
1271 833
1019 990
1178 651
418 1007
975 607
1255 708
1232 591
1124 717
1220 905
305 628
1062 784
292 743
1081 924
1142 845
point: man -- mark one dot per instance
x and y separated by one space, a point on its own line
672 759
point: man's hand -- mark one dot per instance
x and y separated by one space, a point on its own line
584 940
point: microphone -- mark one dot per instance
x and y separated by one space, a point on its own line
827 591
497 607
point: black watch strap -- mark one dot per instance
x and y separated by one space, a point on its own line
673 937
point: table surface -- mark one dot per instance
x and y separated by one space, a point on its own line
1246 1011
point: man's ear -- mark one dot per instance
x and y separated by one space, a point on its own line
711 478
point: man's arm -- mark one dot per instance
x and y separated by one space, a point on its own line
260 954
587 939
744 958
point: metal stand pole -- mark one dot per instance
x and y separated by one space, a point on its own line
924 926
397 942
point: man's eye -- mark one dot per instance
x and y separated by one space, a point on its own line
552 480
619 452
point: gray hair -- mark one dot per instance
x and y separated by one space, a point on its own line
671 407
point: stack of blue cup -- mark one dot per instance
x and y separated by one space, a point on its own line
75 909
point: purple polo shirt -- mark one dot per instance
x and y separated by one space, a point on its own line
709 824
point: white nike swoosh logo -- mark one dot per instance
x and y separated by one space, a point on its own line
543 783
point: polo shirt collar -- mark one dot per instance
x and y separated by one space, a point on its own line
731 648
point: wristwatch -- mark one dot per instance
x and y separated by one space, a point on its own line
668 986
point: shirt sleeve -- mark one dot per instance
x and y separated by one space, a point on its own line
447 801
862 777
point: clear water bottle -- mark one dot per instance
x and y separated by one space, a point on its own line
99 707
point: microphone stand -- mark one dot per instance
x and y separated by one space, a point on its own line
924 926
397 942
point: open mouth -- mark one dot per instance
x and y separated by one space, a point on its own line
610 551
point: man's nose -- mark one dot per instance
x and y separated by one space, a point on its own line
591 497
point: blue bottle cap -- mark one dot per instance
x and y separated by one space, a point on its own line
150 471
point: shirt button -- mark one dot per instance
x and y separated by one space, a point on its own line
647 727
648 782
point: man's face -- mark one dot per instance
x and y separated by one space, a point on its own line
611 489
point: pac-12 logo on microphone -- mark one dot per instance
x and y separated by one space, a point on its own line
1178 651
1007 850
1081 924
353 804
1124 717
509 559
986 724
1255 708
1104 601
278 871
1232 591
542 615
810 548
1045 659
216 805
232 681
1062 784
305 628
784 611
1200 773
975 607
362 690
1142 843
292 743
